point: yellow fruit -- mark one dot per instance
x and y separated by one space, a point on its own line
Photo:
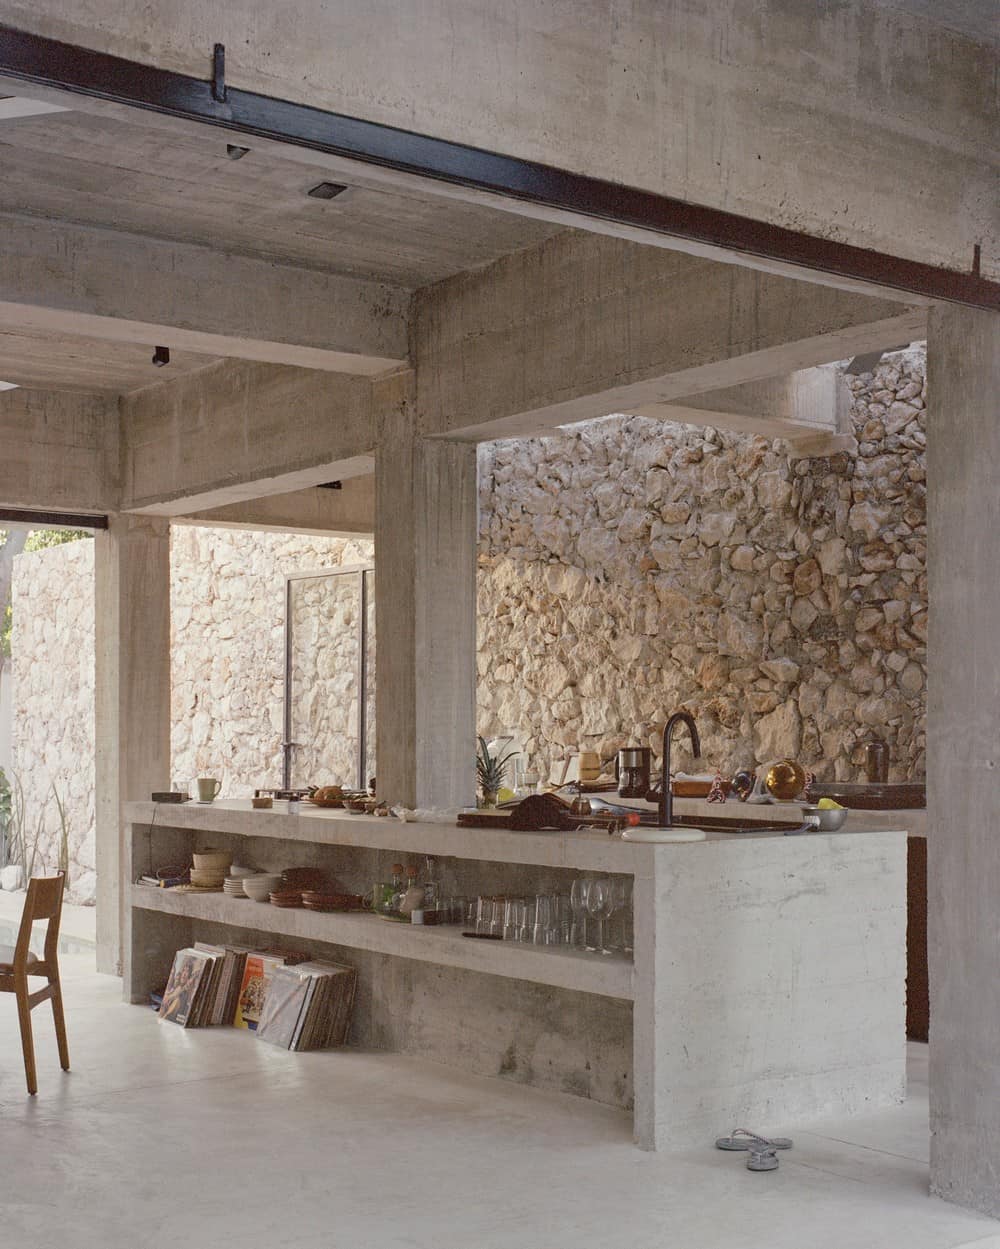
827 804
505 795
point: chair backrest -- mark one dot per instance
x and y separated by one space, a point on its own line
44 901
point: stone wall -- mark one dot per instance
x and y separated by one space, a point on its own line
632 568
52 647
227 593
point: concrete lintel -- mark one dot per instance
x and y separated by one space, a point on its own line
58 451
583 327
129 288
239 431
809 409
347 512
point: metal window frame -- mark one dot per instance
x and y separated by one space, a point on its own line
69 67
361 671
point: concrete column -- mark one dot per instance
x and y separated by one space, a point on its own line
132 700
426 527
963 754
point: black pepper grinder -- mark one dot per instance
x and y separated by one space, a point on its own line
876 761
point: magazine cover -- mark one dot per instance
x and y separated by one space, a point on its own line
287 993
182 988
253 990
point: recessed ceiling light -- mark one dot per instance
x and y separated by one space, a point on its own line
327 190
235 152
8 385
12 106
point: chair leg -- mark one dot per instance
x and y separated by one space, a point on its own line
27 1042
60 1021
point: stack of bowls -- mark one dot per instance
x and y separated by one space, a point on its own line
233 884
260 886
210 868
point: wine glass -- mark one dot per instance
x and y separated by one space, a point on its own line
578 902
600 905
621 888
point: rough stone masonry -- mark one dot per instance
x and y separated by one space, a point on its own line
632 568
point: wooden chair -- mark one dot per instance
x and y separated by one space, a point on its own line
17 963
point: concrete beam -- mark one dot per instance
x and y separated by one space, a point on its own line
349 511
809 409
683 99
58 451
128 288
583 327
239 431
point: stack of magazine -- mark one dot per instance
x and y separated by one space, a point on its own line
308 1006
220 984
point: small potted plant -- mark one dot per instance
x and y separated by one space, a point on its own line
489 772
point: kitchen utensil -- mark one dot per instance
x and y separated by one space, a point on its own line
826 820
633 766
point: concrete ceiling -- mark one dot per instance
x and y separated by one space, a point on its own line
979 20
41 360
98 171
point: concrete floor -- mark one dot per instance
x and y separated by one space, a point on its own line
208 1139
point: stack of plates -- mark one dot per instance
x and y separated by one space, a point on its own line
286 897
303 878
316 901
232 886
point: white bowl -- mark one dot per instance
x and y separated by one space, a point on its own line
238 870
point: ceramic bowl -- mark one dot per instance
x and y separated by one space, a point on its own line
218 861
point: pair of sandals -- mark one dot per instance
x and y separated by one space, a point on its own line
761 1152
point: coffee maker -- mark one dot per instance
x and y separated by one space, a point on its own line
633 767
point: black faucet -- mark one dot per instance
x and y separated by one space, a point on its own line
666 807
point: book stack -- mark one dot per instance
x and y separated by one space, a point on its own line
308 1006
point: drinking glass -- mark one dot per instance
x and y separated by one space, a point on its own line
512 918
578 903
599 906
527 921
543 918
497 916
553 931
484 913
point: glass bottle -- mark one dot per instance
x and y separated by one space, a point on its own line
398 889
431 894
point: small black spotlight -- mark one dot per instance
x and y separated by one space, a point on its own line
161 356
327 190
235 152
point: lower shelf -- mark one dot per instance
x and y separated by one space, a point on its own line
563 968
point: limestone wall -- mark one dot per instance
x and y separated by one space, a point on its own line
633 568
227 593
52 648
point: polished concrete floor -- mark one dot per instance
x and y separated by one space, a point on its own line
161 1138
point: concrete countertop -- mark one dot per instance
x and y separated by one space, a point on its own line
586 851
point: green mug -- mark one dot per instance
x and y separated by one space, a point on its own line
208 788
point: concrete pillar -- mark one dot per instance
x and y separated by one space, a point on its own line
963 754
426 526
132 729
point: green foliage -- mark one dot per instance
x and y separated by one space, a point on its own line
42 539
38 540
489 768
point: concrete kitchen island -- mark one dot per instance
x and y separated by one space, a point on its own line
767 986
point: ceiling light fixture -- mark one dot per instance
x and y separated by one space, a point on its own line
327 190
235 152
161 356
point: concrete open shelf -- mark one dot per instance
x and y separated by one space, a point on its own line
560 967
